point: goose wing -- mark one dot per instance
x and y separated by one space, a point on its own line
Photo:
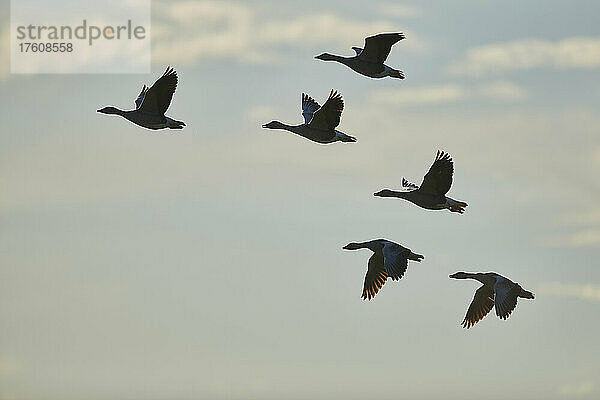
375 277
408 185
378 47
357 50
158 97
309 106
329 115
482 304
439 178
506 296
140 98
395 260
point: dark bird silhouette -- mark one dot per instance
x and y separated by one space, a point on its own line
389 259
319 121
370 60
151 104
496 291
431 194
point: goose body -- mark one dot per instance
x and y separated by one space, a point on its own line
320 122
389 260
370 60
151 105
496 292
431 195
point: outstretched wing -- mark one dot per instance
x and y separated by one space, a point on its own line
357 50
158 97
378 47
375 277
309 106
439 178
395 260
506 296
482 304
329 115
140 98
408 185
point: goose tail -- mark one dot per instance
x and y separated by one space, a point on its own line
346 138
456 206
397 74
173 124
526 294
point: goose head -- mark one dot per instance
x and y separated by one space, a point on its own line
373 245
459 275
109 110
326 57
273 125
353 246
384 193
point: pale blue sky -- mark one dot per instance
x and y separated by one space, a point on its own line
207 263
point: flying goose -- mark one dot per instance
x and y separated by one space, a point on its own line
432 192
496 291
389 259
151 104
370 60
319 121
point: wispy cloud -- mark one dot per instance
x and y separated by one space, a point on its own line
260 114
584 238
10 367
211 30
576 390
586 218
581 291
584 229
503 90
449 93
399 10
434 94
596 162
4 53
524 54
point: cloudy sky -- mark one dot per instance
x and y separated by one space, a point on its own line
207 263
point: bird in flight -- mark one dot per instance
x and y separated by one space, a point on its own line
151 104
431 195
370 60
496 291
389 260
319 121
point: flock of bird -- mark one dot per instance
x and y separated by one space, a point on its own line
389 259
